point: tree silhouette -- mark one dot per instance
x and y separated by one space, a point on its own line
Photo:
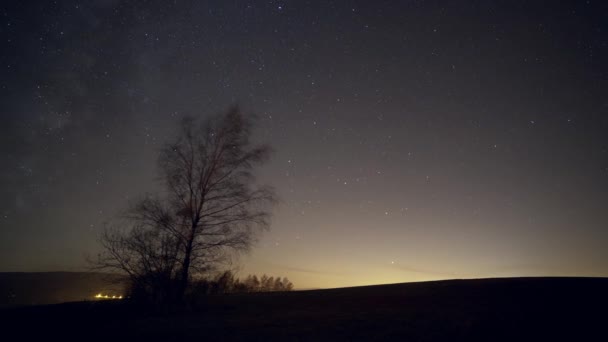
226 282
264 283
287 285
255 284
278 284
210 207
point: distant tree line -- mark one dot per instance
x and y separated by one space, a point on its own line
226 282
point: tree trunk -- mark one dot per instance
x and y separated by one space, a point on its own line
183 281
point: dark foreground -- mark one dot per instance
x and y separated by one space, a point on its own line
514 309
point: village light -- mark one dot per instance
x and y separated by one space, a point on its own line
102 296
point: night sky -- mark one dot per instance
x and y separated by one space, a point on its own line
414 140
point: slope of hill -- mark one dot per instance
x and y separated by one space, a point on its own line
508 309
17 288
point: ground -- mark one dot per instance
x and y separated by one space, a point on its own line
508 309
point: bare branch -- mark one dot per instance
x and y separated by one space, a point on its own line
211 208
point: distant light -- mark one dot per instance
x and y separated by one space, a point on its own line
102 296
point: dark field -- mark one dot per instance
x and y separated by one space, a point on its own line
508 309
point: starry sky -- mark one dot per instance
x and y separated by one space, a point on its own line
414 140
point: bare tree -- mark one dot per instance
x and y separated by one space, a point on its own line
255 284
147 256
287 285
210 207
264 283
278 284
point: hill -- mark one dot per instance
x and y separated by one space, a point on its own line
508 309
37 288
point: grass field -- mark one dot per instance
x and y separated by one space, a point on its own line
503 309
